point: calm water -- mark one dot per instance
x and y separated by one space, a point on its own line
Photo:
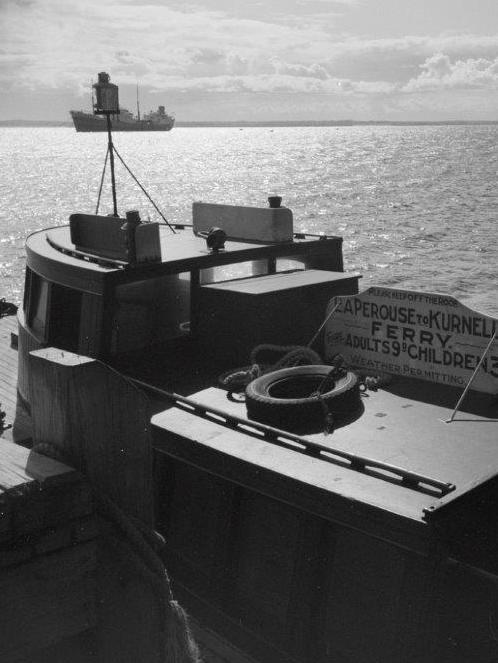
417 206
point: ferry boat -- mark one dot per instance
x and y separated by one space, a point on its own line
361 530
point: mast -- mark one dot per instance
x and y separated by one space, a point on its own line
108 104
138 106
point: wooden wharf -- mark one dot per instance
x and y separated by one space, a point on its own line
48 532
16 416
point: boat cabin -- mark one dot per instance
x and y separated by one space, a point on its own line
122 290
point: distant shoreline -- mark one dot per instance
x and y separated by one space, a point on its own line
275 123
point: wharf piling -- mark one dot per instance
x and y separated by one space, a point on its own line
48 553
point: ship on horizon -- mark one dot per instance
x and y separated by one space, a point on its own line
154 121
123 119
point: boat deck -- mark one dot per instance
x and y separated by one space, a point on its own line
15 415
399 427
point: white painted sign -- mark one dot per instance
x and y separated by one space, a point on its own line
413 334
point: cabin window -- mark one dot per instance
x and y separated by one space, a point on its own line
240 270
289 265
38 300
65 315
149 312
236 270
27 290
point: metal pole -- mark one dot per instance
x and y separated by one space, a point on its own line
102 181
111 155
472 377
322 325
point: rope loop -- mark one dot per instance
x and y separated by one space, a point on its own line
292 355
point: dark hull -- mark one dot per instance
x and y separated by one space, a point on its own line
91 123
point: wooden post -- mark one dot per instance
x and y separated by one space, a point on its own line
100 423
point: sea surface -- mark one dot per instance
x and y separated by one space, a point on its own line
417 205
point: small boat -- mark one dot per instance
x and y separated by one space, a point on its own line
364 535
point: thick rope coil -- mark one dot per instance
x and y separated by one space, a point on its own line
236 381
293 355
144 548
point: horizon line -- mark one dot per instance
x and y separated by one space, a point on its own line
269 123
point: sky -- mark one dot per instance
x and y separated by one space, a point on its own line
254 59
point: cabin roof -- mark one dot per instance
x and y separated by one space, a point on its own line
52 254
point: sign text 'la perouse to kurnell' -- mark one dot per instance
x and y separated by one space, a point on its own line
414 334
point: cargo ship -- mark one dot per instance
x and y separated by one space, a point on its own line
154 121
121 119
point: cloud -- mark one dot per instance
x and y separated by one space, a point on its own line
282 48
66 43
300 70
397 60
439 72
70 41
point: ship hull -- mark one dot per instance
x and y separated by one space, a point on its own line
91 123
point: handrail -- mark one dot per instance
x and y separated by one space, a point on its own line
88 257
296 235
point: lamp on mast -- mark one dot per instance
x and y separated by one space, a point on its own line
107 104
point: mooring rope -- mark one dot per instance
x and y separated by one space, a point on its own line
143 545
293 355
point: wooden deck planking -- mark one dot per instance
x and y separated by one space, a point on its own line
15 415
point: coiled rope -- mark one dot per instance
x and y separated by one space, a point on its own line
145 550
292 355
